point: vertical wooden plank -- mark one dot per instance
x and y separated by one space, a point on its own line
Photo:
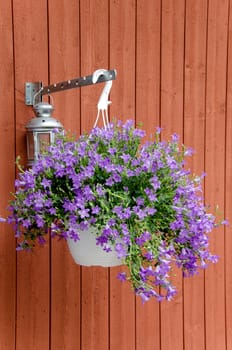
172 43
95 312
148 63
64 58
215 166
64 52
122 57
172 56
7 155
148 112
194 136
228 191
31 64
94 55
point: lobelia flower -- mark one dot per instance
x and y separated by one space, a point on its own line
143 202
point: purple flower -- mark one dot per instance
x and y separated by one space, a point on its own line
95 210
69 206
118 210
141 214
126 157
130 172
84 213
121 250
110 181
139 133
46 183
88 194
149 256
150 194
111 222
175 138
39 220
128 125
83 225
155 182
121 276
100 191
73 234
158 130
26 223
126 213
41 240
140 201
189 151
171 292
144 237
150 211
101 240
52 211
112 151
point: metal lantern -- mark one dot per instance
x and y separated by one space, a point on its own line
40 131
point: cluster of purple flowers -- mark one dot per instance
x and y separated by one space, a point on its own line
143 202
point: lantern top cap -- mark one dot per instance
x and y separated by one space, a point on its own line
43 109
43 120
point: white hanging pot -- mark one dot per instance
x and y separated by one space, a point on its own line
87 253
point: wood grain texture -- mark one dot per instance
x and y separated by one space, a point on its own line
215 167
148 64
228 191
94 287
7 156
95 312
33 279
172 100
194 136
148 22
122 57
172 61
64 64
94 17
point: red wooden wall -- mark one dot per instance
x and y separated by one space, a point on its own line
174 64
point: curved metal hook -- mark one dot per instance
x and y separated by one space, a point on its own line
35 95
35 105
97 74
103 101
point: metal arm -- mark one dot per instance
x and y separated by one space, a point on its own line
37 89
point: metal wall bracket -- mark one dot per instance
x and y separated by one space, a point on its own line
30 90
34 91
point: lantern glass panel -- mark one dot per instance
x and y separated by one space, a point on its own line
30 146
44 141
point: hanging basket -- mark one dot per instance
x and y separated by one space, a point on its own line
85 251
